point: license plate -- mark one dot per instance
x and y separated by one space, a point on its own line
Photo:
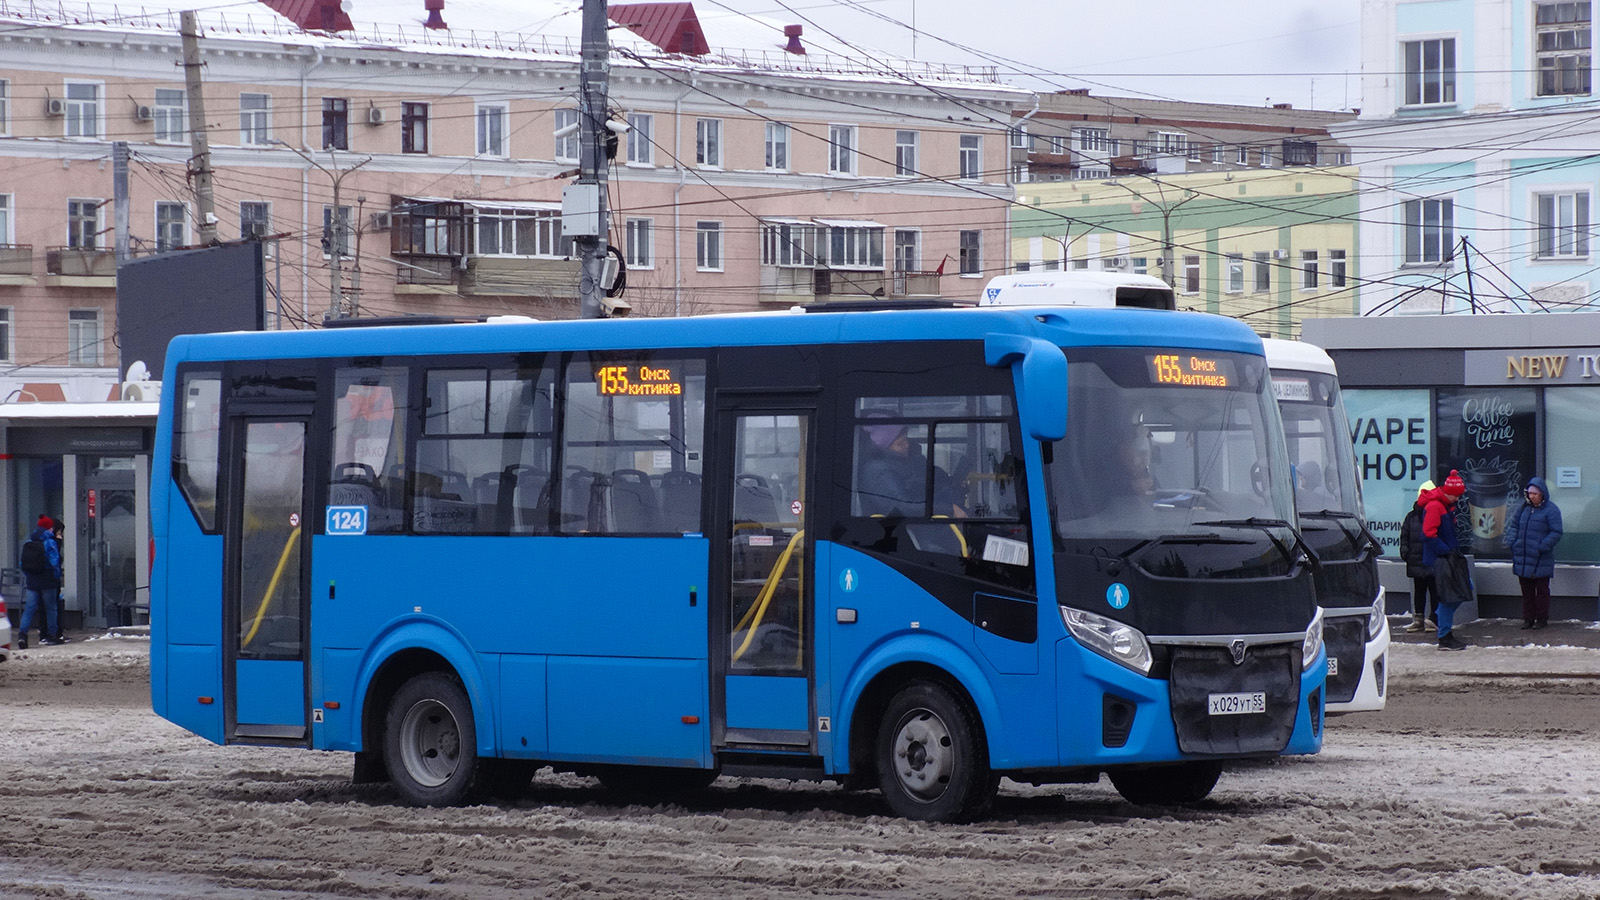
1333 666
1237 704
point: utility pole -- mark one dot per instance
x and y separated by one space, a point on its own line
119 199
334 231
199 144
588 196
1167 268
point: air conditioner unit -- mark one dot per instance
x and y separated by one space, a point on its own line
1116 262
256 231
382 220
375 115
144 113
55 107
1280 254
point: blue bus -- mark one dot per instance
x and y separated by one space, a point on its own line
911 550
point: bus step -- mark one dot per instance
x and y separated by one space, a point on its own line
792 766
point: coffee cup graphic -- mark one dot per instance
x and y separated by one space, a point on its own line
1486 505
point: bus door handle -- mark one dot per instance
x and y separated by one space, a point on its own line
844 616
694 596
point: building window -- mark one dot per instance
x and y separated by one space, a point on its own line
842 149
708 143
1052 265
518 232
83 224
1262 262
1091 173
5 113
1094 140
971 156
1266 157
1235 273
1080 264
1564 37
1140 265
5 334
170 222
83 337
7 234
641 139
1299 153
1053 144
1338 268
169 114
1308 270
708 246
335 123
336 235
1563 224
492 129
1242 155
905 152
639 250
255 223
83 109
854 247
255 129
1429 230
566 131
789 244
1219 154
1171 143
1194 151
971 253
907 249
1020 173
1019 136
1430 71
413 128
777 146
1191 274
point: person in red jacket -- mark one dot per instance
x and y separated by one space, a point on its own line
1439 541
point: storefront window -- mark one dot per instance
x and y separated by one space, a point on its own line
1393 434
1491 436
1572 436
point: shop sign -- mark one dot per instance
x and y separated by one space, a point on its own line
1536 366
1393 436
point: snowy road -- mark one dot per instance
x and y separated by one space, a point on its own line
1480 780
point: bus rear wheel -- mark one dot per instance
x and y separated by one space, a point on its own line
430 743
1188 782
931 763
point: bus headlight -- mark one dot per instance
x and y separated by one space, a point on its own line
1114 640
1312 643
1378 617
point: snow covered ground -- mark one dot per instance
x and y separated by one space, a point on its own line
1480 780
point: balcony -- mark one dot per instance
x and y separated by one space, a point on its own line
16 264
521 276
915 284
80 267
420 272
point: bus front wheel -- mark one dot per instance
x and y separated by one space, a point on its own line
1188 782
430 743
931 764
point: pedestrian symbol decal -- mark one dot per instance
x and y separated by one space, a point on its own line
848 581
1117 595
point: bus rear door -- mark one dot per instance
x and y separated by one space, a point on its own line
267 561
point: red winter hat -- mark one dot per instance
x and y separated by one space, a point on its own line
46 522
1454 486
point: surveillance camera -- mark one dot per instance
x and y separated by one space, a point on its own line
565 130
616 127
615 307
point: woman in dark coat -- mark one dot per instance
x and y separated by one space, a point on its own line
1421 575
1532 534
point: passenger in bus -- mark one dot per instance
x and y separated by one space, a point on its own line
1134 477
893 478
1310 489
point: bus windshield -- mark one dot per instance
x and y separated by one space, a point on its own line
1319 445
1172 446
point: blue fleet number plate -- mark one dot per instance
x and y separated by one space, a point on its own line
1237 704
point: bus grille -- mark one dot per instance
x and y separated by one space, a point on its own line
1346 640
1198 672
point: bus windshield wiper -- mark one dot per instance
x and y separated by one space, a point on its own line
1341 517
1266 526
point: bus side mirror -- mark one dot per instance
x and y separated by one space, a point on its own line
1041 381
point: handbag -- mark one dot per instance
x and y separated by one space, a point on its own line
1452 578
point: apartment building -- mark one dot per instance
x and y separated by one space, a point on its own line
1074 135
1476 152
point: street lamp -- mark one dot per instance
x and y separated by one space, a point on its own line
1166 220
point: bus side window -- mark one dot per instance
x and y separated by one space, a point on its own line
368 443
195 443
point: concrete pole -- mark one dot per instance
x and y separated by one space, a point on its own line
199 145
593 84
119 200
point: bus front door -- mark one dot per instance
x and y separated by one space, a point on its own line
267 550
761 697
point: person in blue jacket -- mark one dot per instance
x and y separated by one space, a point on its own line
1439 541
1532 534
41 585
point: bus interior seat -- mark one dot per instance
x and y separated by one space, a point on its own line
753 500
680 501
634 507
577 499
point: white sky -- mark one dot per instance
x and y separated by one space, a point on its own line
1247 52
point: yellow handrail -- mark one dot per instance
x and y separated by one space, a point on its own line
272 587
759 609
